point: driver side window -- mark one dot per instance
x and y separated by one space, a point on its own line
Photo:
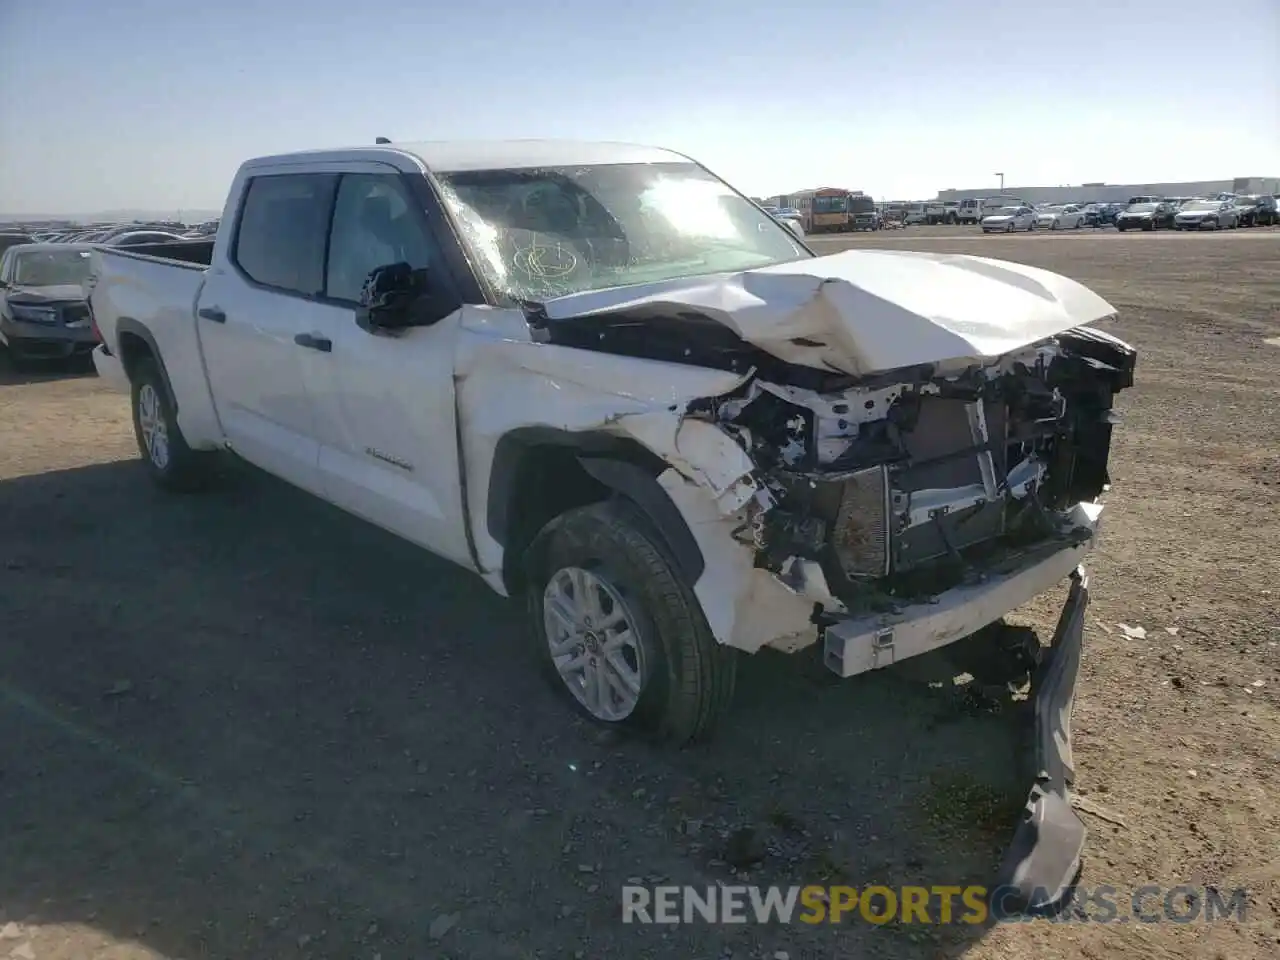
374 224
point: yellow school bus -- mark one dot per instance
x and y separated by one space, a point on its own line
829 210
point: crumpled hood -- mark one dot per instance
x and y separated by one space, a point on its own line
863 311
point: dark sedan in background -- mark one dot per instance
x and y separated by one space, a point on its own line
1257 211
1101 214
43 310
1146 215
1266 211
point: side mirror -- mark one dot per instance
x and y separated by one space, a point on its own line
397 296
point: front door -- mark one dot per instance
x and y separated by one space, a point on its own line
385 403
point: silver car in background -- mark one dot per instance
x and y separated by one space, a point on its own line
1009 219
1061 216
1206 215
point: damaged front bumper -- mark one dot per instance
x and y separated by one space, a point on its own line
1042 863
858 644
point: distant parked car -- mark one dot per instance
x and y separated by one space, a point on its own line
1206 215
13 238
1066 216
43 312
1146 215
1009 219
787 216
915 213
1268 211
135 237
1099 214
1247 210
1109 213
793 220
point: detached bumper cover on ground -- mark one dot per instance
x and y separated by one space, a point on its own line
1042 862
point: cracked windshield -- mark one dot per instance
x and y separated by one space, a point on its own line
547 232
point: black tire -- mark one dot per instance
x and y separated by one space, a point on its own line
181 469
687 676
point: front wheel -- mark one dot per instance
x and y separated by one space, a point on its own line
620 633
172 464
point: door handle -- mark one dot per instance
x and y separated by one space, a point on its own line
312 342
212 313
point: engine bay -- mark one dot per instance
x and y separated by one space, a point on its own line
912 482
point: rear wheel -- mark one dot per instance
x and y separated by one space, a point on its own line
620 633
172 464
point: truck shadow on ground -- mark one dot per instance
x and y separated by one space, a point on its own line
244 724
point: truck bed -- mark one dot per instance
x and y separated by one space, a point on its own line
189 254
143 300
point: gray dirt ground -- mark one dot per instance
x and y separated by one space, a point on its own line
244 725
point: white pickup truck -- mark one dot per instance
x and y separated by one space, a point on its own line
613 387
937 212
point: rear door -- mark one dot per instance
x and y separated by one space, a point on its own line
259 299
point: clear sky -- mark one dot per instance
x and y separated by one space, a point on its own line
111 104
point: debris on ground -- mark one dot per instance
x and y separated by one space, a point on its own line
442 925
1089 806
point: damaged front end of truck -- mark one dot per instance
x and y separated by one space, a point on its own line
911 474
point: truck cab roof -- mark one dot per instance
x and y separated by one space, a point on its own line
456 155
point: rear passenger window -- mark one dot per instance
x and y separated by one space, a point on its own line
281 236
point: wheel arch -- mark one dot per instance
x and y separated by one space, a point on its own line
539 473
134 343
